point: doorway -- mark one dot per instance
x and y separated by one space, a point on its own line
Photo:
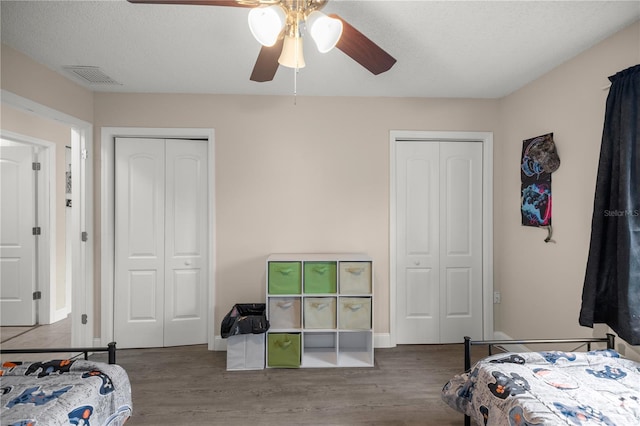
160 242
108 230
29 210
82 223
441 237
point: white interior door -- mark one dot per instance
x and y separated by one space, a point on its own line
139 243
439 241
418 255
460 241
186 271
160 242
17 242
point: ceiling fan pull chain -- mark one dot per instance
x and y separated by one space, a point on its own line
295 86
295 72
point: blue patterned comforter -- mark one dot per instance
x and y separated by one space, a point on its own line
550 388
64 392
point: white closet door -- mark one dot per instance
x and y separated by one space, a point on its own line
139 243
161 242
17 243
186 243
439 241
460 241
418 255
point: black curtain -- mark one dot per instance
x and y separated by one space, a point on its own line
611 293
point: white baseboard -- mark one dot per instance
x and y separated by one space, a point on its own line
219 344
499 335
60 314
380 340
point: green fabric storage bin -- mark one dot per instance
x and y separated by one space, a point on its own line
283 350
285 278
320 277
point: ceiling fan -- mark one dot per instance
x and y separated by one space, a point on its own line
279 25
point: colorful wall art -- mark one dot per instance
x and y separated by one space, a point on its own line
539 160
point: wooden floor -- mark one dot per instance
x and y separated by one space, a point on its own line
189 385
57 335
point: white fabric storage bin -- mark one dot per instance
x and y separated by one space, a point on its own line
320 312
245 352
355 313
284 313
355 278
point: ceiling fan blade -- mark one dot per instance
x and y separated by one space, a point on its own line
362 50
267 62
232 3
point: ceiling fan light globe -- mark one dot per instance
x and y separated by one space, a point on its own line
266 23
324 31
291 55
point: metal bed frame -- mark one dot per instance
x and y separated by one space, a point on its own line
110 349
610 340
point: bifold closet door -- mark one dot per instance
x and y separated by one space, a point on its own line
460 241
439 241
160 243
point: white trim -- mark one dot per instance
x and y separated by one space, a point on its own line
81 335
17 101
82 252
487 217
108 135
383 340
61 314
47 220
499 335
219 343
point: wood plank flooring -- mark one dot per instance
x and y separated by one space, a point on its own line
189 385
57 335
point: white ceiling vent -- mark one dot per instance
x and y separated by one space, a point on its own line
91 75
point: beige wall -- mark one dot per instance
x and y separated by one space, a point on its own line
311 177
539 280
315 176
22 76
26 124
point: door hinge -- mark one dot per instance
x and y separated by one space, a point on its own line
37 295
36 230
84 154
84 318
85 236
35 166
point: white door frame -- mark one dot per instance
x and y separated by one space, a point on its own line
108 135
82 221
486 138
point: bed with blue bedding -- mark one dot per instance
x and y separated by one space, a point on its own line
64 392
549 388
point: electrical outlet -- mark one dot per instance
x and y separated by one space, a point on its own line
497 297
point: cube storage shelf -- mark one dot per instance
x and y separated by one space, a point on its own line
320 307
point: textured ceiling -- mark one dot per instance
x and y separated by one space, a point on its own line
477 49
